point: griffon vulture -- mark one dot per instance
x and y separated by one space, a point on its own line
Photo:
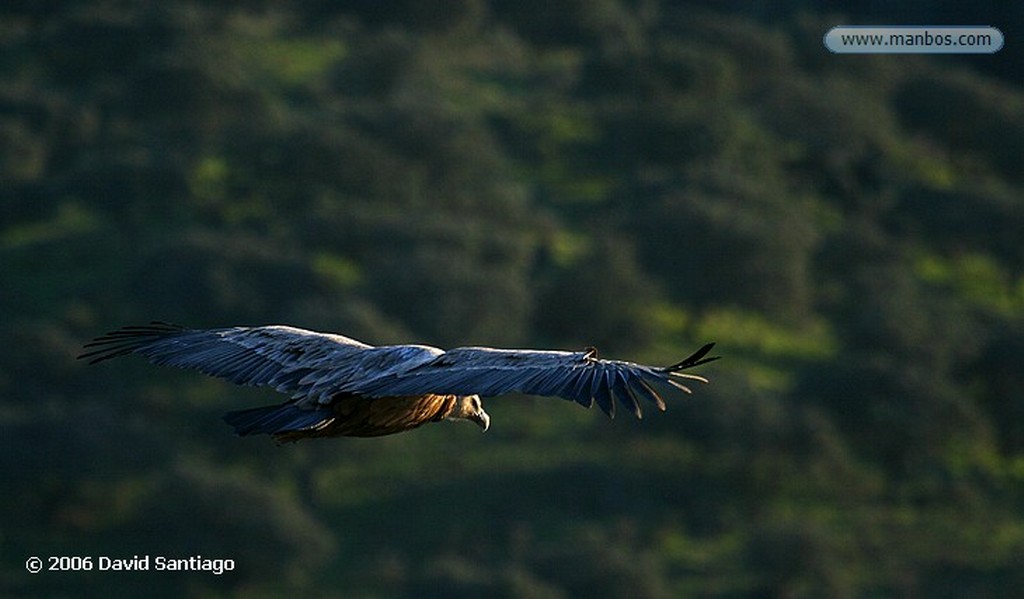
341 387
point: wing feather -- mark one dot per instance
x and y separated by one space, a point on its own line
303 363
581 388
620 389
576 376
648 392
601 391
679 386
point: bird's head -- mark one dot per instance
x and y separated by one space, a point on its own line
470 407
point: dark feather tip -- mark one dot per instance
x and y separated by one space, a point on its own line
695 359
125 340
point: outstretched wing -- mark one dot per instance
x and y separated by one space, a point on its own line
577 376
309 365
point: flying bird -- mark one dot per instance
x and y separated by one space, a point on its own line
342 387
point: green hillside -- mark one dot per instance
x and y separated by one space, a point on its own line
640 176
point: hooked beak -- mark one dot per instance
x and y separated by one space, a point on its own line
482 419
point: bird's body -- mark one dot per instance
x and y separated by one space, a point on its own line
343 387
347 416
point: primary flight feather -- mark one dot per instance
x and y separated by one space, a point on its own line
342 387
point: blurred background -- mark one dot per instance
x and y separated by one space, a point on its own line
638 175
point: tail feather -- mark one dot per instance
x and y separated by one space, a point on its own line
277 420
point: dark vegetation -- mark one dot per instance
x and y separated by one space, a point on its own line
639 176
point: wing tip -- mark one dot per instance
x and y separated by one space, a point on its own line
695 359
126 340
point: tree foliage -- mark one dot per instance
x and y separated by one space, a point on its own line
639 176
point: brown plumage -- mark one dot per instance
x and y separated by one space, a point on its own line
341 387
354 416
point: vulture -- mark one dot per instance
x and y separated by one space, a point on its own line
342 387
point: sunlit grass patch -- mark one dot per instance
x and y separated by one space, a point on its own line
976 278
752 332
